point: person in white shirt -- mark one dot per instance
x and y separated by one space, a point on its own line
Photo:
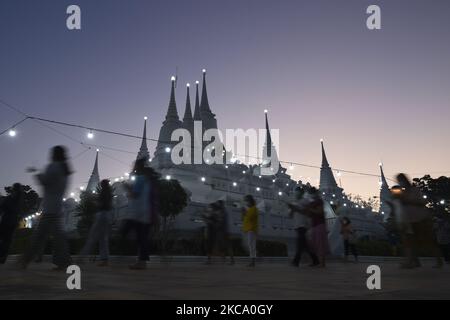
301 225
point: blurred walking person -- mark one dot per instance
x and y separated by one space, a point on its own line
54 181
250 226
319 237
11 210
210 217
302 224
441 228
349 236
223 233
100 229
414 221
143 212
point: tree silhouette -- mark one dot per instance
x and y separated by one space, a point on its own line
437 192
31 199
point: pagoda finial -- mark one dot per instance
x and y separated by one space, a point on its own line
204 103
143 151
94 179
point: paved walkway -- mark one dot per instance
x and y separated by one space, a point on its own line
192 280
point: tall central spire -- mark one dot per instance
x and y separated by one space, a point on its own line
143 151
162 156
94 179
204 104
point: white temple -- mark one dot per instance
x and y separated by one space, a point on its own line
206 183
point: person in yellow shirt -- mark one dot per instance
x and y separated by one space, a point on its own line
250 226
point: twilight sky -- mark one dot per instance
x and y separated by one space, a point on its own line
372 95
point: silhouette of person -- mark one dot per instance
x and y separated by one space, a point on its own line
54 181
100 229
414 221
349 236
301 224
250 226
11 208
223 233
143 209
319 238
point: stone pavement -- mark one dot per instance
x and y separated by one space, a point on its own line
193 280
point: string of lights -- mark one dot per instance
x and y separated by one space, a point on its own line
91 130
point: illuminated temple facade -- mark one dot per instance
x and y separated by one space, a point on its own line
206 183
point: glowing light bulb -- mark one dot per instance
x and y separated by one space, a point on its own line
145 118
90 135
197 82
265 111
234 184
258 188
203 179
173 78
98 150
133 178
188 85
12 133
72 194
280 193
168 177
204 70
167 149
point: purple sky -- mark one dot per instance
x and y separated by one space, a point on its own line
372 95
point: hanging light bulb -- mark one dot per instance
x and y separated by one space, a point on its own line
12 132
90 135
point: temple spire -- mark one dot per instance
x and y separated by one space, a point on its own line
172 113
204 103
197 116
94 179
162 155
324 156
187 111
143 151
385 195
269 152
383 180
327 180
